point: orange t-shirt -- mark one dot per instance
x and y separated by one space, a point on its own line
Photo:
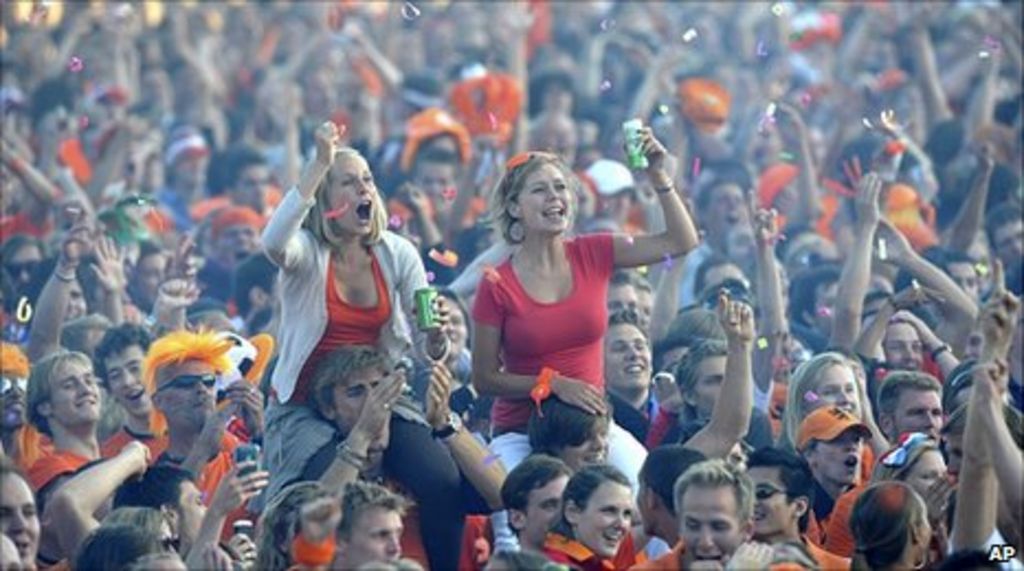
838 537
346 325
22 224
113 445
52 464
561 549
477 540
671 561
827 560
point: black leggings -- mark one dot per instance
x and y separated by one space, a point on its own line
425 468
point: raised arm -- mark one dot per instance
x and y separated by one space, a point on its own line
44 336
666 300
969 219
772 322
234 490
281 241
921 48
730 417
856 274
809 203
71 512
109 270
958 310
680 235
469 454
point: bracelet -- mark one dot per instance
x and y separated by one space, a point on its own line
664 189
345 453
542 390
940 350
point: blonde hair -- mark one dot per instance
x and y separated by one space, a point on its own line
318 226
39 388
717 473
177 347
507 191
806 378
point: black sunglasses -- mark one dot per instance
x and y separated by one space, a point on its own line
766 492
15 269
189 382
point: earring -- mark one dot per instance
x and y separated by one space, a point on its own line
516 233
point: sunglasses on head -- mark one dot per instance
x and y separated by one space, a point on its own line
897 457
8 384
189 382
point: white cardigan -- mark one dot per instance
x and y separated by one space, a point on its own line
303 282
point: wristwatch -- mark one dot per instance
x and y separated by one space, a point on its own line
453 425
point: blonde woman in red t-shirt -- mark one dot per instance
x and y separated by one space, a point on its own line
540 316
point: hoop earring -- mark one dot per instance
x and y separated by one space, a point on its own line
516 233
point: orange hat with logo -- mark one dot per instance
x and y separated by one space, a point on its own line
704 102
489 104
428 124
827 424
914 219
235 216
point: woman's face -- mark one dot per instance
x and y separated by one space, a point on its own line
543 203
19 519
837 386
928 469
605 521
593 451
351 197
458 333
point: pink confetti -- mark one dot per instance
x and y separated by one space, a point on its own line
492 120
75 64
696 168
811 396
762 51
449 193
668 261
430 277
83 122
337 212
395 221
491 459
805 98
824 312
629 239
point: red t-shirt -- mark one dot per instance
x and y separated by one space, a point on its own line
53 464
566 336
113 445
347 325
22 223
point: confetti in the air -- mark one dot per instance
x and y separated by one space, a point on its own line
824 312
395 221
663 109
24 311
778 9
696 167
786 157
867 123
449 193
981 268
690 35
607 24
606 85
492 120
667 261
410 11
883 250
83 122
642 270
805 98
75 64
447 258
491 459
430 277
762 50
811 396
762 343
915 284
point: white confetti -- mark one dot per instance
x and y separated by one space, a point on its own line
690 35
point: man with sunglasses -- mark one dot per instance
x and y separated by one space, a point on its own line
14 370
783 499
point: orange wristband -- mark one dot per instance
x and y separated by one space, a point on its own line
313 554
542 390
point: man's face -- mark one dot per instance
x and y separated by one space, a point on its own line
146 279
74 396
603 523
622 298
182 398
717 275
710 525
13 393
1009 242
726 208
838 461
903 347
775 514
190 511
238 242
593 451
954 453
19 519
543 506
124 378
627 360
708 385
916 411
966 277
76 302
190 173
22 263
824 303
350 398
376 537
433 178
251 188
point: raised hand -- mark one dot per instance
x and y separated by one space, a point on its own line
176 294
899 248
76 244
657 157
998 316
182 264
109 266
766 225
235 490
319 518
869 189
737 320
437 396
912 297
328 141
376 410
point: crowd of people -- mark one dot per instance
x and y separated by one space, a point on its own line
533 285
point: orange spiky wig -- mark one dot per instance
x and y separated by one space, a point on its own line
14 363
178 347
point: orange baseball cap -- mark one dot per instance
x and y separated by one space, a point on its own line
827 424
705 102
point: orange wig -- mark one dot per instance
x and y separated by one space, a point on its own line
14 363
178 347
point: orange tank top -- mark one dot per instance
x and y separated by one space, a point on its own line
347 325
